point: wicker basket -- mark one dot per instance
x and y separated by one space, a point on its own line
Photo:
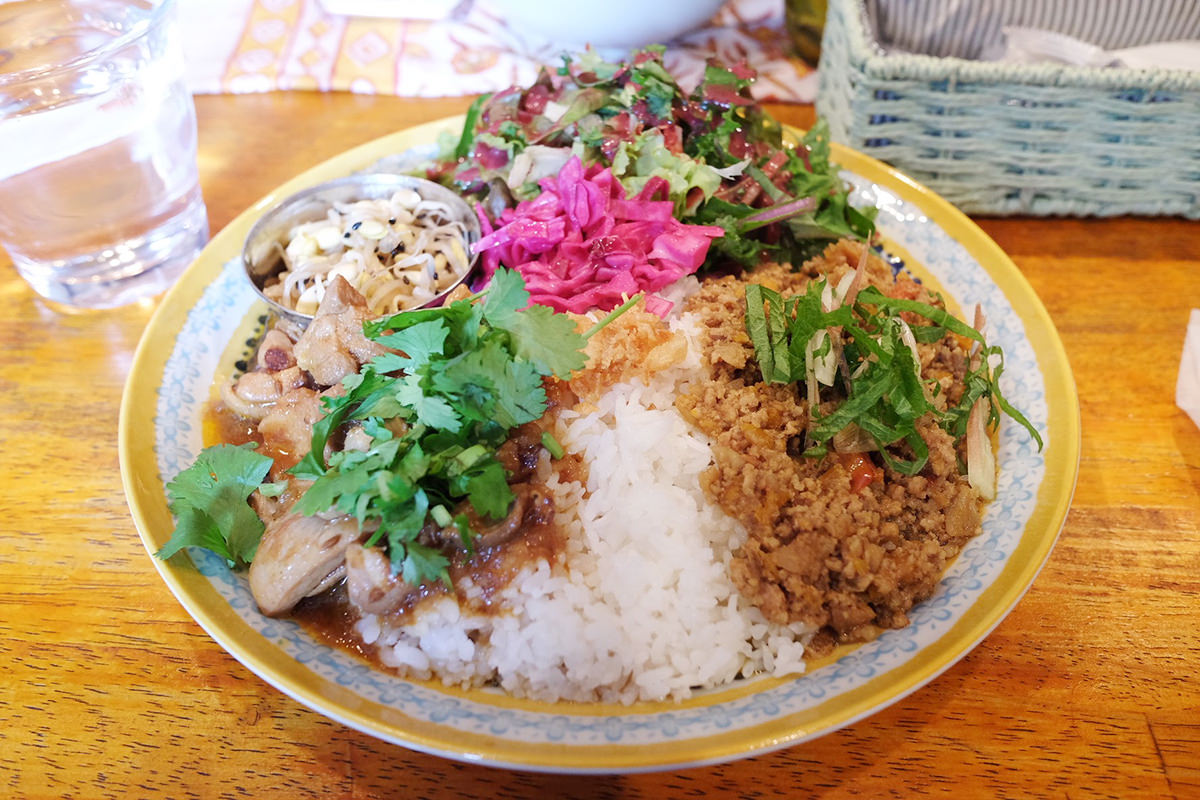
996 138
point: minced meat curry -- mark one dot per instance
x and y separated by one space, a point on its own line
842 541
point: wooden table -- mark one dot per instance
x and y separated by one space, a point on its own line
1088 689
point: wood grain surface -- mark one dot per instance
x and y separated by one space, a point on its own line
1089 689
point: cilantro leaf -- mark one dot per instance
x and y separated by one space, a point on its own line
506 296
431 414
547 340
209 501
195 528
487 488
417 345
421 562
365 390
521 396
431 410
326 490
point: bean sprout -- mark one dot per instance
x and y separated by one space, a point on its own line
399 252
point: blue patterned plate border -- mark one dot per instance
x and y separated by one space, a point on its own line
160 432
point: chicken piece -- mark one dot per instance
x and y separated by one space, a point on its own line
275 352
286 429
299 557
254 394
268 508
531 506
520 453
370 584
333 346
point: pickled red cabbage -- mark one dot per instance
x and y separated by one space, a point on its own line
582 244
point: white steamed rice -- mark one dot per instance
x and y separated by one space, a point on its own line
642 606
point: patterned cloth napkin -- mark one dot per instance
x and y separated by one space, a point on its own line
267 45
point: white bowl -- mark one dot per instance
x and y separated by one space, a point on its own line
623 24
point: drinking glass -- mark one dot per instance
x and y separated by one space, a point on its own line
100 204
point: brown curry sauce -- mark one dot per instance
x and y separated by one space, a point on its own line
331 618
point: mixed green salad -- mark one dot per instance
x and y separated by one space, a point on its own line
714 153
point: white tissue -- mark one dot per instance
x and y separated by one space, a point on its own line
1036 46
1164 55
1187 387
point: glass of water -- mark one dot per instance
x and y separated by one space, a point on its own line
100 203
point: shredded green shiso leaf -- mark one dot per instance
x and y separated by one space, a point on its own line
885 394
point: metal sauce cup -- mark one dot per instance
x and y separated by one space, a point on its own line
262 254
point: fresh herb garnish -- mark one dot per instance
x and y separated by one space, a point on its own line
209 501
552 445
885 395
435 411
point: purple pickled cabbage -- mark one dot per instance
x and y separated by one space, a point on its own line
582 244
656 304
